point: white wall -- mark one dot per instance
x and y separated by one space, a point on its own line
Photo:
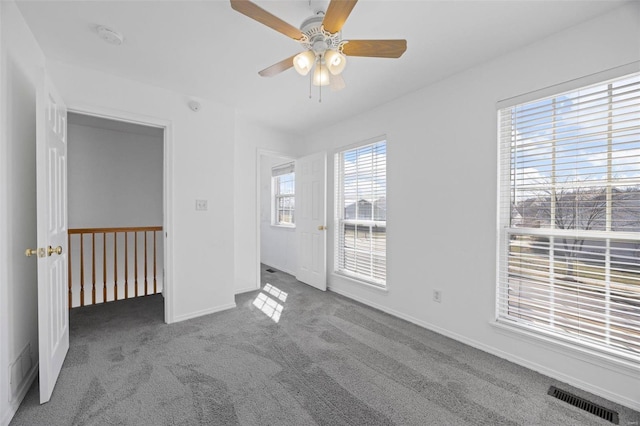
200 166
278 244
20 59
114 174
251 139
115 177
442 176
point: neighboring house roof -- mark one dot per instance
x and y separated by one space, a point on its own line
365 209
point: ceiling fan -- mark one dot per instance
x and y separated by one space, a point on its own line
325 51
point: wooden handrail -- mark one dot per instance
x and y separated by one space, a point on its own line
111 230
113 257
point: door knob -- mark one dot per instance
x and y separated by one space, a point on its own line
322 228
34 252
57 250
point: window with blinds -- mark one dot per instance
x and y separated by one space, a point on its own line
284 200
570 217
361 213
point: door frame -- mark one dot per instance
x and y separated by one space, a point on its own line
261 152
167 185
6 411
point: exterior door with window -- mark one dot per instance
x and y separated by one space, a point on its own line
311 220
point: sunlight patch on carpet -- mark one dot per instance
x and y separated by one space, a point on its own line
275 291
269 306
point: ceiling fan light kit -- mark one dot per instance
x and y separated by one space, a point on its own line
321 75
336 61
336 82
304 62
321 37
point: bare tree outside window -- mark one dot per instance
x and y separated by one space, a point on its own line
582 209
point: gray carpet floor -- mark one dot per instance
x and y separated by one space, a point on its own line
287 355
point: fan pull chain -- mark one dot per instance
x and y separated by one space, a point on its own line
310 80
319 65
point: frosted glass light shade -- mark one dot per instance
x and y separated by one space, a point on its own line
303 62
336 82
335 61
321 75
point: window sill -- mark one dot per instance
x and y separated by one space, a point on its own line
578 350
283 226
360 282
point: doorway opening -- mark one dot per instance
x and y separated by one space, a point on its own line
297 246
276 210
116 199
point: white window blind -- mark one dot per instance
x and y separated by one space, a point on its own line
283 177
361 213
283 169
570 217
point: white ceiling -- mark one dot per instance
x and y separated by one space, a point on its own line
207 50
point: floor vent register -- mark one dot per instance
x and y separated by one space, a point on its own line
584 404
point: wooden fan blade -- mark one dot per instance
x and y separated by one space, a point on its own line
257 13
375 48
277 68
337 13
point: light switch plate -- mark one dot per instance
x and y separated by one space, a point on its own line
202 205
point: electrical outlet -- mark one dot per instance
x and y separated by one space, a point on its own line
437 296
202 205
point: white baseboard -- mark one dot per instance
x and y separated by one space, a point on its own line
246 289
15 402
286 271
209 311
8 415
558 375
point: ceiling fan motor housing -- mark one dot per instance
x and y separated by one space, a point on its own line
315 38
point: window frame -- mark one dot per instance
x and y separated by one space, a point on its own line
340 220
506 230
276 197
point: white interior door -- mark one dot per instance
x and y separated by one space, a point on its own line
53 308
311 222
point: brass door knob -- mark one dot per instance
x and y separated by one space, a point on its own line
322 228
30 252
57 250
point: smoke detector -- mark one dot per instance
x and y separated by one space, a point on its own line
110 36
